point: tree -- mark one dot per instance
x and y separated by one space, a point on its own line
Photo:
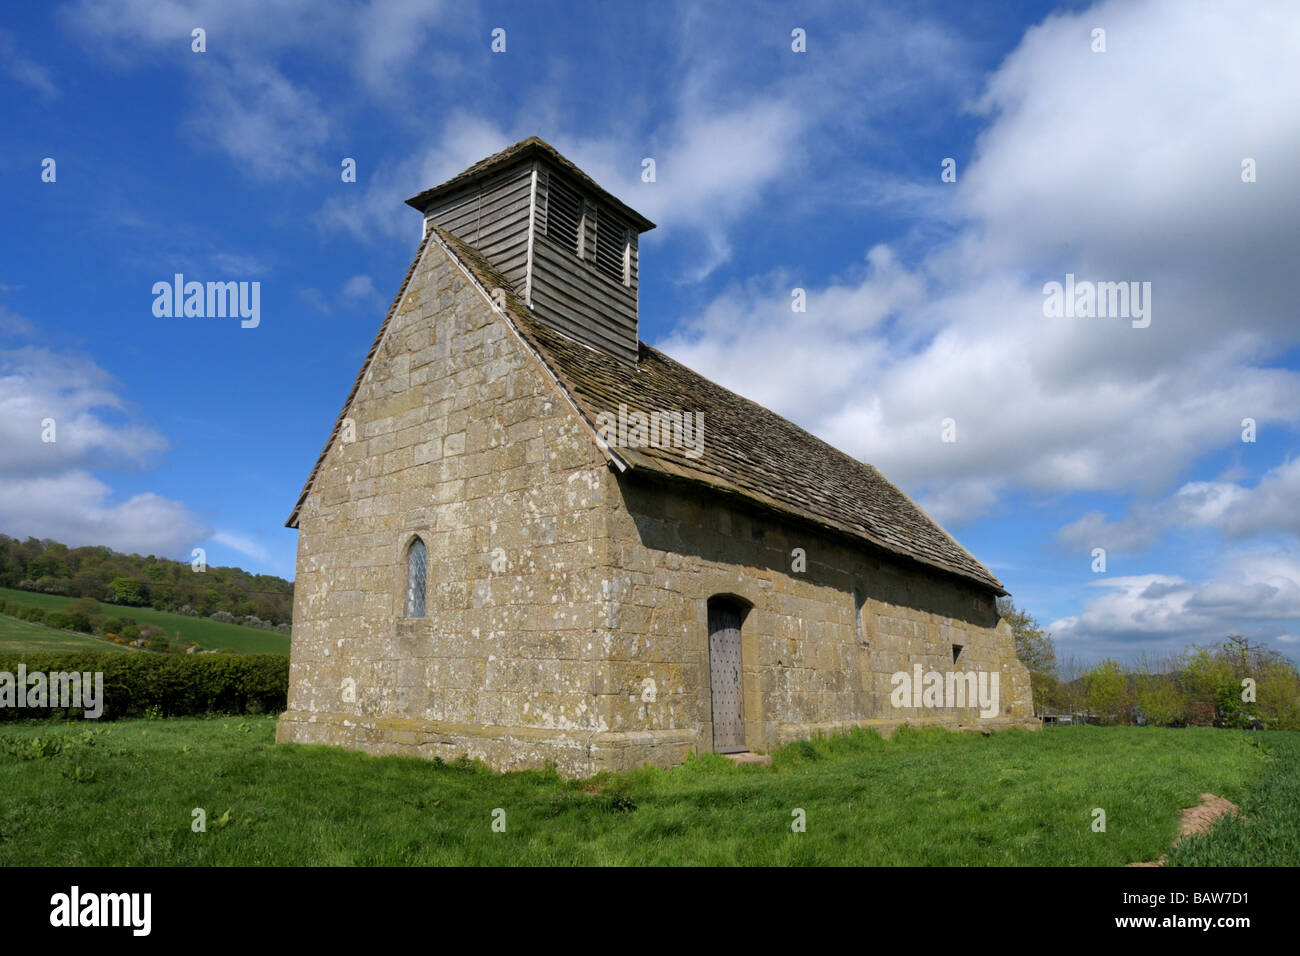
128 591
1217 676
84 605
1035 649
1106 690
168 585
1159 699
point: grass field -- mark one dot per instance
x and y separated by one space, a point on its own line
211 635
1267 833
123 794
16 635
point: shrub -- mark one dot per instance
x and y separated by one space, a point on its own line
1160 700
1105 689
175 685
34 614
87 606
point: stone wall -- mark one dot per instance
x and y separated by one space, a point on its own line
566 613
460 439
805 666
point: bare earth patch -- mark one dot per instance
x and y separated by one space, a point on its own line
1198 819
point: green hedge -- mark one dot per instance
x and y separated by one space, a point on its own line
62 620
171 685
26 612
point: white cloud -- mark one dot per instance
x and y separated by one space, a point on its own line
316 299
242 103
1235 510
121 29
728 133
1253 594
391 34
380 210
1111 166
75 508
37 384
47 489
266 124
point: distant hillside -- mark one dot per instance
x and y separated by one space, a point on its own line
130 580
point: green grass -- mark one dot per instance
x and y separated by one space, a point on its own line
212 635
1267 833
22 636
122 794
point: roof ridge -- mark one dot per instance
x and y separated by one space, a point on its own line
870 524
782 475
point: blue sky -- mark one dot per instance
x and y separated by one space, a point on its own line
775 170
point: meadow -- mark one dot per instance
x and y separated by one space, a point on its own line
210 634
125 794
24 636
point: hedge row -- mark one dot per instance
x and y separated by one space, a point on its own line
67 620
64 621
171 686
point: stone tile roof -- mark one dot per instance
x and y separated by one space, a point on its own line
532 146
748 450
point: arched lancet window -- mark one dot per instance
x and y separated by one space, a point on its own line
416 578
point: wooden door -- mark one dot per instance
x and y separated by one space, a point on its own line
724 674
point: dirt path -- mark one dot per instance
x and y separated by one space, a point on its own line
1198 819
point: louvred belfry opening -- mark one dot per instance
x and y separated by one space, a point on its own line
567 246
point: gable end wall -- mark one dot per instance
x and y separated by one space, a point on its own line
462 439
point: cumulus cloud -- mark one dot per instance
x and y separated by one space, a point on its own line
1107 166
1254 594
47 489
244 103
80 399
75 508
729 134
13 325
1234 509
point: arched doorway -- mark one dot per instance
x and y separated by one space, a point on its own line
726 614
